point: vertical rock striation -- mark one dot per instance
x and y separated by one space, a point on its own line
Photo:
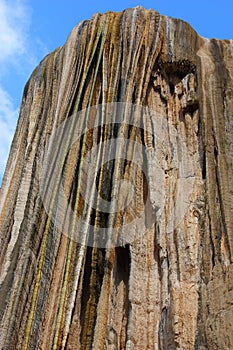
167 283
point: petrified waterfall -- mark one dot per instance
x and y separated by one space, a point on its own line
117 203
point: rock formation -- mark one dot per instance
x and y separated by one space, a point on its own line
129 246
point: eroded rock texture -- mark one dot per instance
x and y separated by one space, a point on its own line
171 286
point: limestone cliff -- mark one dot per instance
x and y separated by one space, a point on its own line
117 203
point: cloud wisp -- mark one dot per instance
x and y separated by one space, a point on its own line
8 117
14 24
16 58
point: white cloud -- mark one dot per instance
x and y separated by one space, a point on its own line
15 55
19 53
14 24
8 115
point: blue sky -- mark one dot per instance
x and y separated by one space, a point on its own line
31 29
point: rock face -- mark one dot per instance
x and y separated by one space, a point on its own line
151 266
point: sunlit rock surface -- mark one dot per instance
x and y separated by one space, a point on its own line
154 270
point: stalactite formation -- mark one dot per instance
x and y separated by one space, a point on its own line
152 105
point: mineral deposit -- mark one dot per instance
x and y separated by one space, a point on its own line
154 270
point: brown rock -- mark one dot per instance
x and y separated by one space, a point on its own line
119 234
